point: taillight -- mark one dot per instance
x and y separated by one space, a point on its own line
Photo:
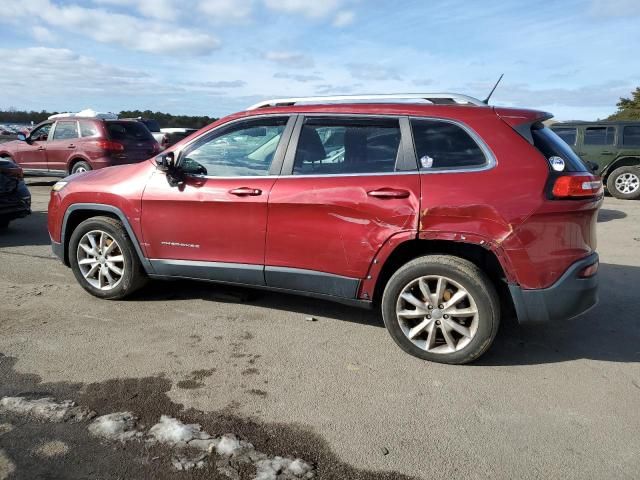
15 172
577 186
110 146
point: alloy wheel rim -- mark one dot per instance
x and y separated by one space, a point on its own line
628 183
81 170
437 314
100 260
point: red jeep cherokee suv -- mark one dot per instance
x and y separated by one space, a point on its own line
440 211
77 144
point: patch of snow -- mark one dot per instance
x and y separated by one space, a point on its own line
188 463
277 468
115 426
7 467
173 432
46 409
229 444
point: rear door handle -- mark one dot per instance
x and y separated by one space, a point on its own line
388 193
607 153
246 192
71 145
40 148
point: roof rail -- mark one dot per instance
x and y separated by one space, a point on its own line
435 98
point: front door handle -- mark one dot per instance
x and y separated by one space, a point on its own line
246 192
388 193
40 148
71 145
607 153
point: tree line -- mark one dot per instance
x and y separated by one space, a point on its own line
166 120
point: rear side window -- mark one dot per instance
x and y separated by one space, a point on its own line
88 129
631 135
442 144
599 135
65 131
569 135
152 125
133 131
343 146
551 145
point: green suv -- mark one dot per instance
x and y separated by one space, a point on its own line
613 146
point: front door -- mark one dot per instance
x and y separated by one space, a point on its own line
598 145
62 145
214 226
32 154
347 187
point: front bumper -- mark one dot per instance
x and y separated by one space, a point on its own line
58 250
568 297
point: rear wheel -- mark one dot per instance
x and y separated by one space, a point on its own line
104 260
441 308
80 167
624 183
4 223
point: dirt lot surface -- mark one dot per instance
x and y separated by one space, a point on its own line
554 401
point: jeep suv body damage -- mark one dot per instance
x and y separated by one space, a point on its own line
316 220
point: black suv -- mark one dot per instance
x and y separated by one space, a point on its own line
15 199
613 146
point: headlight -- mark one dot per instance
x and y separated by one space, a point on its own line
59 186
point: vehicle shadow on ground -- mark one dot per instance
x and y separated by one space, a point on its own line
27 231
607 214
305 306
608 332
40 182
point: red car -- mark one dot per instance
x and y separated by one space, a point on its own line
444 212
77 144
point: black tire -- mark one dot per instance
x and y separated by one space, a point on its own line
4 223
133 276
634 171
80 166
474 281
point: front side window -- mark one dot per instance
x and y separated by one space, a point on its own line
442 144
41 133
599 135
343 146
631 135
569 135
65 131
242 150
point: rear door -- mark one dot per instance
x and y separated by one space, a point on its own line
136 139
62 145
345 189
598 145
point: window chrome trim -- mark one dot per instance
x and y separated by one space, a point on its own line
491 160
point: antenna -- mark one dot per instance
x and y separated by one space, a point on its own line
486 100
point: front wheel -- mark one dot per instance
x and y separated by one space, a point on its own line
441 308
624 183
104 260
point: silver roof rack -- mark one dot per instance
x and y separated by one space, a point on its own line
434 98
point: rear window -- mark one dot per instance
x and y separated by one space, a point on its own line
551 145
128 131
631 135
569 135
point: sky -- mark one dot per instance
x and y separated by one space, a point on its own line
573 58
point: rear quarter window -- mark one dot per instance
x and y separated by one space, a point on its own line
445 145
134 131
551 145
631 136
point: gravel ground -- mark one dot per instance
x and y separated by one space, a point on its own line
556 401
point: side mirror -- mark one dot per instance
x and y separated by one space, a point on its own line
22 137
166 161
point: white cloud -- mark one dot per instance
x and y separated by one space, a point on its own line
290 59
297 77
308 8
344 18
42 34
227 10
159 9
372 71
614 8
114 28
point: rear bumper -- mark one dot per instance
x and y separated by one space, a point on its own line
568 297
16 204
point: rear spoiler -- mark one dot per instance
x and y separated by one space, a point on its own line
522 120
